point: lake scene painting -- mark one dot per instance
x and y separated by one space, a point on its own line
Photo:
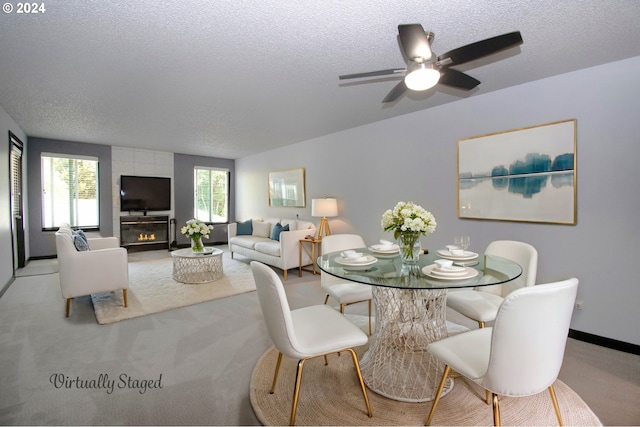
526 174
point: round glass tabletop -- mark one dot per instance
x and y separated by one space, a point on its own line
387 270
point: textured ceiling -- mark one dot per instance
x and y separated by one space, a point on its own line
228 78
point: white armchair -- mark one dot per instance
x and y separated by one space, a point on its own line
102 268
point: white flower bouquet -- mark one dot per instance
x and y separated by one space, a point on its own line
408 221
195 230
408 217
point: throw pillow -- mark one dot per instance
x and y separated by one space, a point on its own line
244 228
261 229
80 240
277 229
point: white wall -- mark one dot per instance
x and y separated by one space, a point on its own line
134 161
6 256
413 157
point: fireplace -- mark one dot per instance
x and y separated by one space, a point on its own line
144 233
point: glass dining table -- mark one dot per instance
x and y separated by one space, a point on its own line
410 310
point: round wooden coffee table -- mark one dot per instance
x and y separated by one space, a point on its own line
192 267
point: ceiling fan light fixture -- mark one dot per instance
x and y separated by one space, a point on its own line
422 77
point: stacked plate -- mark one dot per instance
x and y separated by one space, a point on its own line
361 262
384 249
465 256
449 273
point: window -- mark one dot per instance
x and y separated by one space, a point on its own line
211 202
69 191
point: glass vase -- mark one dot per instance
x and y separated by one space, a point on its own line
197 245
410 248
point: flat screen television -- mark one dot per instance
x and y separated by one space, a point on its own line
145 193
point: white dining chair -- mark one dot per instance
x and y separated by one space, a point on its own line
343 291
304 333
522 353
481 304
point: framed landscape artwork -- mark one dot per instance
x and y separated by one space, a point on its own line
286 188
526 174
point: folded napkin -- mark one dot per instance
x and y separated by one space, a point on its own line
354 256
351 254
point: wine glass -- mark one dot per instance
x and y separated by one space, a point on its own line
462 241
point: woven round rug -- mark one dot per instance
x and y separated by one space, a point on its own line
330 395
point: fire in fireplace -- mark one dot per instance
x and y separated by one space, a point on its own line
146 237
144 232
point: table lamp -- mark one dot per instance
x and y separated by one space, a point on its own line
327 207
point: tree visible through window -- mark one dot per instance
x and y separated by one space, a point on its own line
69 192
211 202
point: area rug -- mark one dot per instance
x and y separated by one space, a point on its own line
330 395
152 289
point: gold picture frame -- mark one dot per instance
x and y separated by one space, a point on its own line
287 188
526 174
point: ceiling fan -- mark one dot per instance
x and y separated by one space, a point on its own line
424 70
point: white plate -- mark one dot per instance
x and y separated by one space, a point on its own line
380 251
450 271
451 268
444 253
442 273
469 273
347 262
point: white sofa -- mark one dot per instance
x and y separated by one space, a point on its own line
283 254
100 266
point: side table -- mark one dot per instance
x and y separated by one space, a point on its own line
192 267
315 253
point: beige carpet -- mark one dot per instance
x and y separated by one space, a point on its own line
330 395
152 289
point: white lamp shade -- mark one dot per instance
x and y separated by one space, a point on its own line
324 207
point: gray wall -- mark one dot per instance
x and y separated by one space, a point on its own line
413 157
42 243
6 252
183 172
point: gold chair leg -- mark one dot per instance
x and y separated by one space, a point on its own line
342 308
480 323
296 392
275 376
487 397
124 294
68 307
496 410
285 274
362 386
436 399
552 392
326 298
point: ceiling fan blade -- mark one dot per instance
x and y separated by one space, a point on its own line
457 79
479 49
373 73
414 41
395 93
